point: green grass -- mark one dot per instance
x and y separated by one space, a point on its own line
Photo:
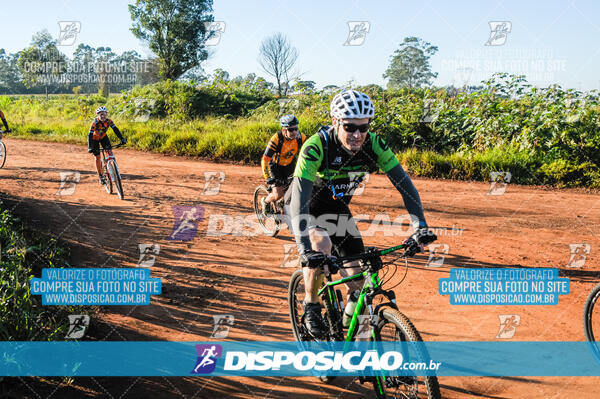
539 138
23 255
478 165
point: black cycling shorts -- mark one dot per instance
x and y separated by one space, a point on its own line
339 225
281 173
95 145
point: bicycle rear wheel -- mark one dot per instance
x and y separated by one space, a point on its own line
268 221
591 320
394 326
2 154
114 172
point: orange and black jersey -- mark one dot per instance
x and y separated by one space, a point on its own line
4 121
98 129
281 152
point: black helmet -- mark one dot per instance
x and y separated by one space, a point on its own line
288 120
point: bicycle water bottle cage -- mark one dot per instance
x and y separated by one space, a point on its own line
335 195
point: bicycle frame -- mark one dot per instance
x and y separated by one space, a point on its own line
371 288
110 157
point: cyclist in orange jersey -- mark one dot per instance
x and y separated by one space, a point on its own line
97 136
278 161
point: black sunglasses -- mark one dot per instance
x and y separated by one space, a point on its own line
292 129
351 127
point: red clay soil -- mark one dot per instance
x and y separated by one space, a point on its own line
241 275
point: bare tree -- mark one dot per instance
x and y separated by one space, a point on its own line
277 57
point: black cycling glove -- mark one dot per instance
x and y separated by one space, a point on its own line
313 259
418 240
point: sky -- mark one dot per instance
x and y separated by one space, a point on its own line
549 42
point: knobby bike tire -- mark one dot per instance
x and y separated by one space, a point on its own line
107 180
2 154
300 333
260 216
410 333
588 328
117 178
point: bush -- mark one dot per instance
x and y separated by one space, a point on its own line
22 316
542 136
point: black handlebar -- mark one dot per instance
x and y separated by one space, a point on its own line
410 249
111 147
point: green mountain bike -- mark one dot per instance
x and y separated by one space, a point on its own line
386 322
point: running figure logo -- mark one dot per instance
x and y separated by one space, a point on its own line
578 254
213 182
186 222
508 325
68 32
223 323
499 31
364 325
358 180
207 358
214 30
148 253
68 182
77 325
290 256
498 182
437 254
357 33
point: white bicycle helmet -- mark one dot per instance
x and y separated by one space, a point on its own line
349 104
101 109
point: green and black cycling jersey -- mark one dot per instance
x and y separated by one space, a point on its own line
342 170
325 166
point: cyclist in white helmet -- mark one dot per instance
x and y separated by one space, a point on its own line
330 167
97 136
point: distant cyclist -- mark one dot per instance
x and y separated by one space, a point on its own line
279 156
6 129
330 167
97 136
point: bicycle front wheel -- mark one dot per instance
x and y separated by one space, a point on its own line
394 326
591 320
107 181
295 300
268 221
114 172
2 154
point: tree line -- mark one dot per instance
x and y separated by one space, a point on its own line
176 32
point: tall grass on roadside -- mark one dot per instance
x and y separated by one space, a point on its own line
23 255
542 136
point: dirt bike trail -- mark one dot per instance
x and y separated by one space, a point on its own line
240 273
